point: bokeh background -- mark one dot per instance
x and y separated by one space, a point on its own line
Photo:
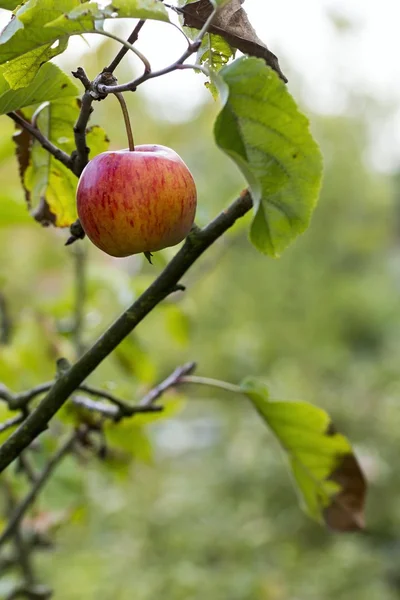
204 507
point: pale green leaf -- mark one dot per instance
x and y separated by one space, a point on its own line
327 476
49 84
262 130
46 178
214 52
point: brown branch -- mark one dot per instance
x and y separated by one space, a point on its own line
191 49
80 157
131 40
196 243
59 154
171 381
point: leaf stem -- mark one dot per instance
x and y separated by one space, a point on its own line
208 381
127 120
131 40
128 46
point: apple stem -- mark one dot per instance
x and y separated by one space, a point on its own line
127 120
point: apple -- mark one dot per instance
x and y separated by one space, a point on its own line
136 201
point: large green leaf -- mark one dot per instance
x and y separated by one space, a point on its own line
262 130
327 475
49 84
32 35
50 184
26 31
10 4
21 71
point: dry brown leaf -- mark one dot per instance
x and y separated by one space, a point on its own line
346 511
23 142
231 23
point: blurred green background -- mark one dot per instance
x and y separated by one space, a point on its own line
203 506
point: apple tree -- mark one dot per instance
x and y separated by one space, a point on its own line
141 200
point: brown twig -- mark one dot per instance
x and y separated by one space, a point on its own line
131 39
191 49
59 154
171 381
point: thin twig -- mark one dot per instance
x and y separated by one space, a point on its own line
170 381
112 412
20 401
191 49
11 422
21 509
59 154
131 40
128 46
196 243
25 466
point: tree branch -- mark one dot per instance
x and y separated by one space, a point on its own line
170 381
131 40
191 49
63 157
81 157
196 243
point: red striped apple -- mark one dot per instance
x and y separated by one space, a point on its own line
136 201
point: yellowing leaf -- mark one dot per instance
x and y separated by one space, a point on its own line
50 184
326 472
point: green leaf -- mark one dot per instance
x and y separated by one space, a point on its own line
83 18
21 71
49 84
214 52
39 24
27 29
327 475
262 130
10 4
51 185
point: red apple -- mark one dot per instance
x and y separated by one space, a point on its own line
136 201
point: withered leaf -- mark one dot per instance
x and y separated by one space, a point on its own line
23 142
231 23
346 510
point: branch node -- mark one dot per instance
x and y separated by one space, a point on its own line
81 75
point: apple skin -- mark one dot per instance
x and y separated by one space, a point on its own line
136 201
